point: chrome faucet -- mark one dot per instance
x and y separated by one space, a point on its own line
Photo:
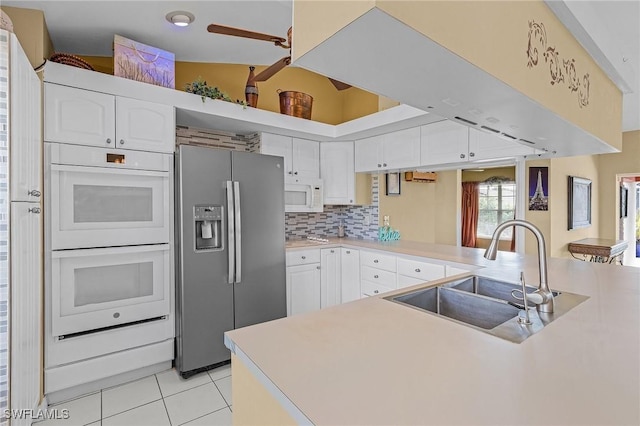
542 297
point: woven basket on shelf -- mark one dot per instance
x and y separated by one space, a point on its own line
68 59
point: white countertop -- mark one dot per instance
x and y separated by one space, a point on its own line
375 362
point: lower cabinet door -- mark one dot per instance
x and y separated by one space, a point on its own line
303 288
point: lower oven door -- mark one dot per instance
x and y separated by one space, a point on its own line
103 207
103 287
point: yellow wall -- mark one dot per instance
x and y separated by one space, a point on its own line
424 211
329 105
609 165
31 29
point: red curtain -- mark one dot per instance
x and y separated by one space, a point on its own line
470 194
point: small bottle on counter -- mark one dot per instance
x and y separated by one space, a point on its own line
341 230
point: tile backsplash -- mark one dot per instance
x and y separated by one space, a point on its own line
297 225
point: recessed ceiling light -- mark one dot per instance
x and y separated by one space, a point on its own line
180 18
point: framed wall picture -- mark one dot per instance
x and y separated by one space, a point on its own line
393 184
624 197
539 188
579 202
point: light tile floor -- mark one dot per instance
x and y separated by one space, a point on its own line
164 399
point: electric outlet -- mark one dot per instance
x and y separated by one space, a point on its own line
385 220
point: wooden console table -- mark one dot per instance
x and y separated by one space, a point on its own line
598 250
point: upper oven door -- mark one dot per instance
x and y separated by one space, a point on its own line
103 207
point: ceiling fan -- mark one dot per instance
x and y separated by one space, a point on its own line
278 41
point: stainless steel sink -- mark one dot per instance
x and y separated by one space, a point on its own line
486 305
492 288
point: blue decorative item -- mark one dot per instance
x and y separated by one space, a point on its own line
386 233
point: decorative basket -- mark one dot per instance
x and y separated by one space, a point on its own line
68 59
297 104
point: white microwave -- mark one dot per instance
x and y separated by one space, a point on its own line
303 195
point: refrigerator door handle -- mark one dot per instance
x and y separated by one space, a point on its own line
238 245
231 232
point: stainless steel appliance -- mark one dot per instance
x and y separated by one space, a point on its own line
230 249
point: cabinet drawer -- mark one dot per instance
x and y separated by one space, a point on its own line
377 260
374 275
373 289
303 257
405 281
422 270
452 270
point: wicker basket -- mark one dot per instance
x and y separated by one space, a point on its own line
68 59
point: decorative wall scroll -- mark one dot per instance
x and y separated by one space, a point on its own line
561 70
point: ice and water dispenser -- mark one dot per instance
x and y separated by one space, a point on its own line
208 227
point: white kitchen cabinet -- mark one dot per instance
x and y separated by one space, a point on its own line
391 151
486 146
377 273
83 117
301 156
411 272
330 277
337 172
303 281
350 274
303 289
444 142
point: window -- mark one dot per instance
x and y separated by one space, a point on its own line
496 204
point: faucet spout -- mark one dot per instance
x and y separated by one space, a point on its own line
542 297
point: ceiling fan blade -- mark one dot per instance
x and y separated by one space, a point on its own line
221 29
338 84
272 69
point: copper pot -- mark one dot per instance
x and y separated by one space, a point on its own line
296 104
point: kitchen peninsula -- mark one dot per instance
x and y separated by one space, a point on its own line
372 361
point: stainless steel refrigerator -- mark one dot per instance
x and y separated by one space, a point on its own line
230 255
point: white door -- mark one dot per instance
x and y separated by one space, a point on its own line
337 172
303 289
484 146
368 154
330 278
102 207
444 142
350 268
280 146
306 158
103 287
401 149
144 126
24 128
78 116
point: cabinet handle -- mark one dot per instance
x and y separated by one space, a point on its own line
332 251
375 291
379 165
351 201
295 173
472 154
34 193
304 257
348 251
108 140
384 164
417 269
317 267
35 210
121 141
462 156
290 172
375 260
375 276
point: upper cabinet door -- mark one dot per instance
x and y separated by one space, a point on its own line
306 158
368 154
485 146
337 173
78 116
401 149
144 126
24 128
444 142
278 145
